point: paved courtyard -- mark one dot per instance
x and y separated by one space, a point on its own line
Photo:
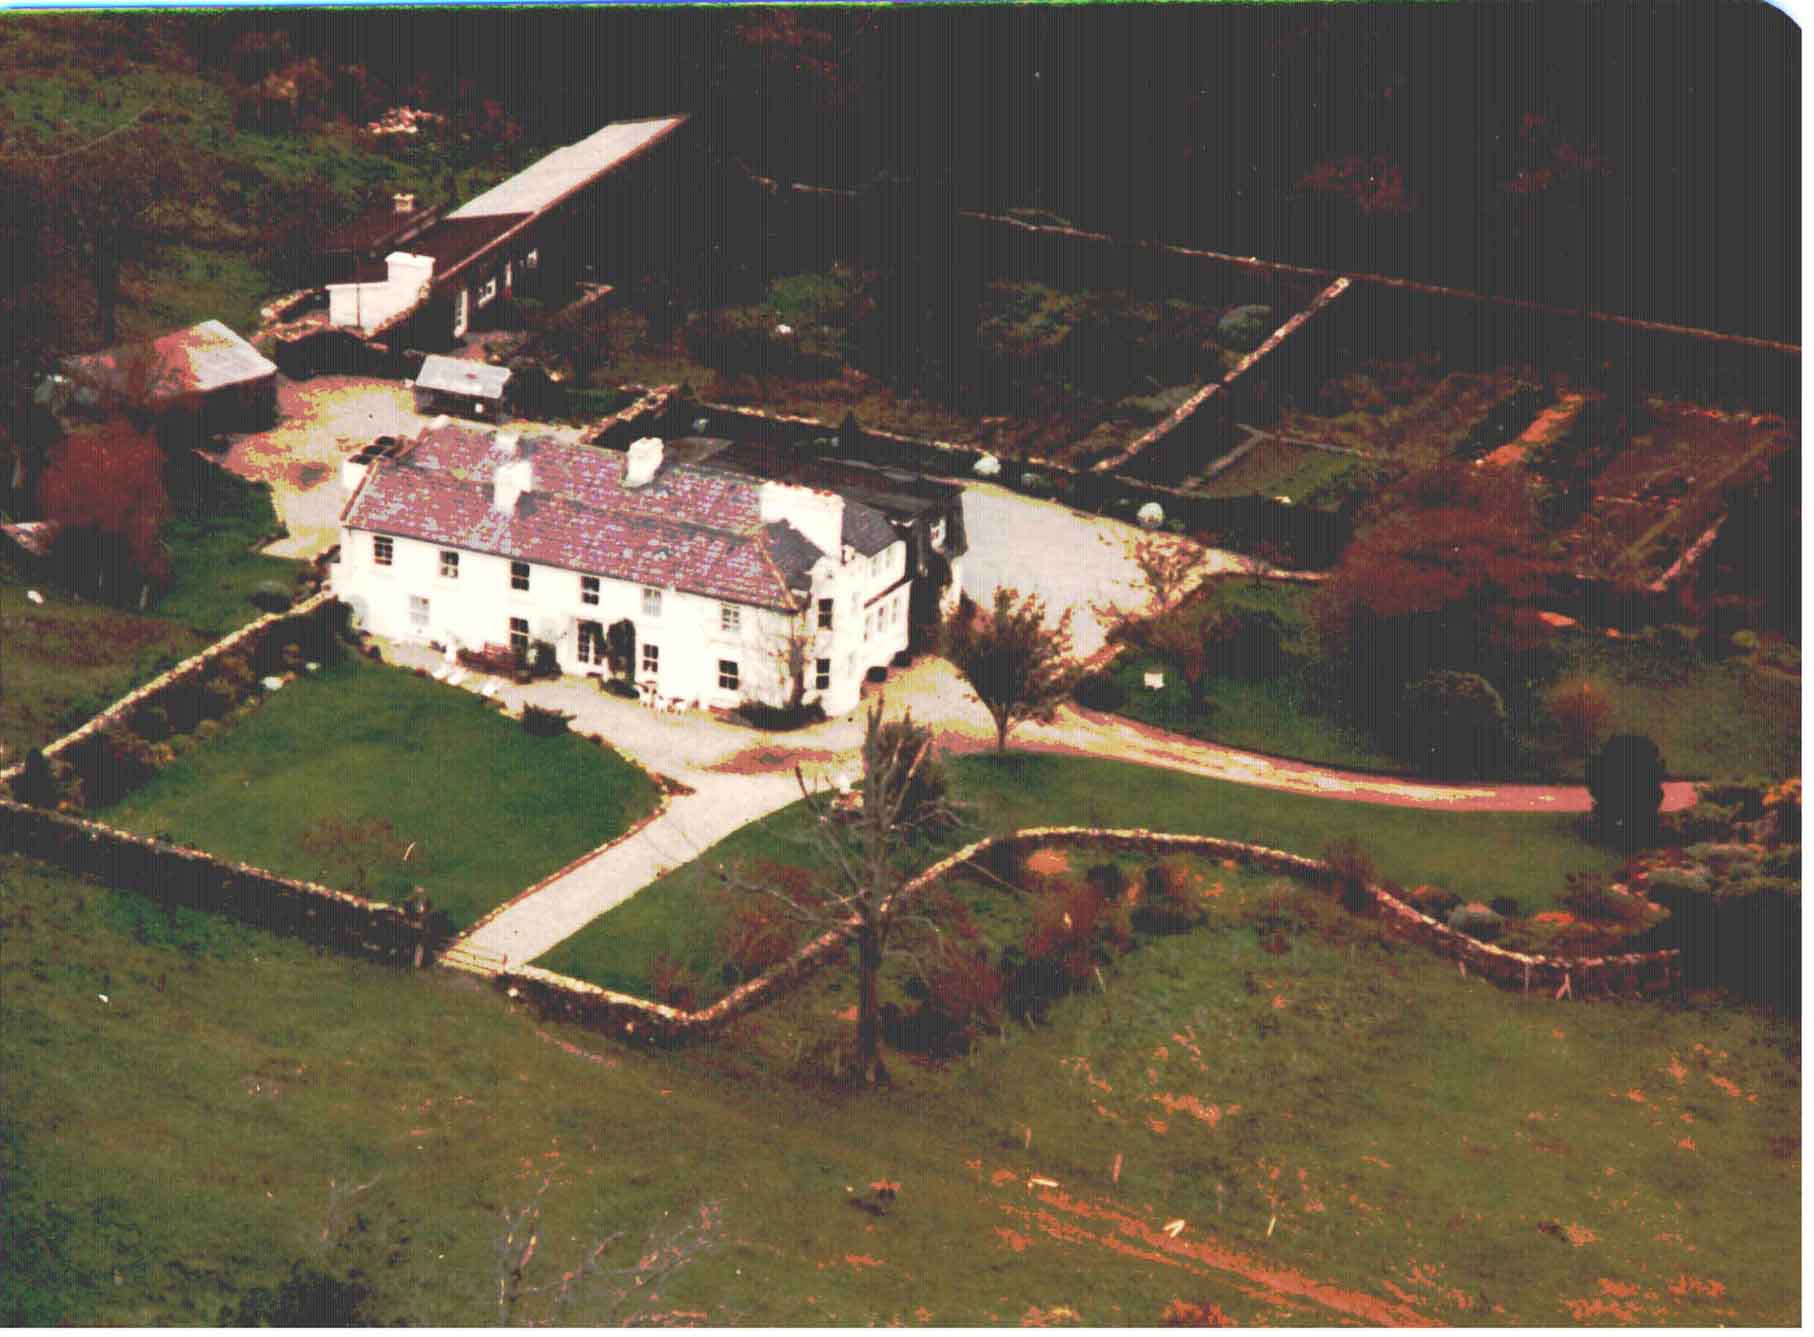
319 423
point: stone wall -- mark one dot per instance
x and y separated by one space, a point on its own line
643 418
246 640
194 879
1634 974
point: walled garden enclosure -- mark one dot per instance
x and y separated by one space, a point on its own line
489 809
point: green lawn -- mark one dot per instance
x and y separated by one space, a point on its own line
1278 469
1342 1127
490 808
1479 856
215 568
62 661
1712 720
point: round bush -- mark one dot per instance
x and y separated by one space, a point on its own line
1151 515
1100 691
1245 327
1680 881
1625 778
1477 921
1454 724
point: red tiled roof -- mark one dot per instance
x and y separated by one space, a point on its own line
691 530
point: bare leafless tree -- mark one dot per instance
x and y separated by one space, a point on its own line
900 794
623 1294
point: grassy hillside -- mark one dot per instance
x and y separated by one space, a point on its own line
1347 1130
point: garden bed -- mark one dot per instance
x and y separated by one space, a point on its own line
1411 411
1661 491
391 760
1275 468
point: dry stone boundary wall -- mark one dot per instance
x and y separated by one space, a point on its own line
1635 974
247 639
193 879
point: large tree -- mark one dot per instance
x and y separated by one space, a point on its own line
1019 667
1434 582
901 793
105 487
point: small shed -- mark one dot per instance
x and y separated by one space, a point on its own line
205 378
461 388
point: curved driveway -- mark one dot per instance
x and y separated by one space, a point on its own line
739 775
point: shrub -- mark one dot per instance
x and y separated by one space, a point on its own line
672 983
1185 1314
36 784
1477 921
541 722
1745 938
876 673
619 687
152 723
1746 797
759 715
1100 691
755 937
1454 724
1590 897
1581 712
963 994
1245 328
1625 778
1704 821
1063 935
1351 872
902 659
543 661
1433 901
1173 899
1506 907
1034 484
119 763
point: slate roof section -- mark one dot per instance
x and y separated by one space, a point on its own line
545 183
866 529
793 553
693 530
462 376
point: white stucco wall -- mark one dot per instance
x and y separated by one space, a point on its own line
476 609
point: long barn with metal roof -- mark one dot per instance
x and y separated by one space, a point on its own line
524 236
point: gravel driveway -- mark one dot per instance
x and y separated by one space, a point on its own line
1069 559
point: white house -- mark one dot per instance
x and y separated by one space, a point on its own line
735 589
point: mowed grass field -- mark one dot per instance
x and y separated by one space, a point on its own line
1479 856
489 808
1348 1131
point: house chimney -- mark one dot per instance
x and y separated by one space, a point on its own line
507 444
816 514
404 202
514 478
644 462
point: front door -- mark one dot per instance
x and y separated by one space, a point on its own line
591 643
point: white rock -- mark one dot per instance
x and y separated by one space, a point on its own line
34 596
987 467
784 330
1151 515
1283 501
271 684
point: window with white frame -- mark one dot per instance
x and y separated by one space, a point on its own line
937 532
519 637
651 601
730 617
727 675
869 624
651 660
489 290
450 564
591 643
588 589
531 260
822 675
418 612
384 548
825 608
519 575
